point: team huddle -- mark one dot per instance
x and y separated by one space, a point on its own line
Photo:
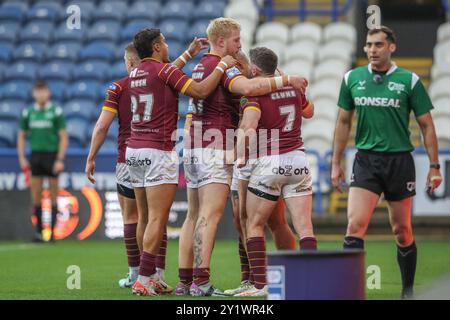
242 141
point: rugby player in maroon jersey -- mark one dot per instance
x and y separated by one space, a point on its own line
150 154
118 103
209 155
272 125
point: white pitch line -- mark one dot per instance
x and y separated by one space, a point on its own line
14 247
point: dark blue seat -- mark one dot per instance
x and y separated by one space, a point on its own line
34 51
110 144
198 29
8 132
209 10
62 33
190 66
67 51
176 48
174 29
104 30
77 131
9 31
37 31
46 11
56 70
22 5
58 89
98 50
11 14
6 51
92 70
110 10
144 10
83 90
21 71
11 109
132 27
181 10
78 109
113 130
86 8
17 89
118 70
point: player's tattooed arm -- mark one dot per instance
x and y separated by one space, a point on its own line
264 85
198 242
194 49
202 89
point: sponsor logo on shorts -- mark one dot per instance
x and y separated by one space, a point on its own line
190 160
411 186
289 171
301 189
133 162
159 178
260 184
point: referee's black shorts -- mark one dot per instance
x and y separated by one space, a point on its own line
393 174
41 163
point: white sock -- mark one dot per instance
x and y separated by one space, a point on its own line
160 273
144 280
134 272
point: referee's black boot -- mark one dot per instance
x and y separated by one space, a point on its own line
38 238
407 294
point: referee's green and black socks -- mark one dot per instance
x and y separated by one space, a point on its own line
407 260
353 243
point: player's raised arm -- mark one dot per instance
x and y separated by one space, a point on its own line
194 49
200 90
262 86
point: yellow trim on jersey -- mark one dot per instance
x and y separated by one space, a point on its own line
186 85
189 115
112 102
170 75
118 86
252 108
109 109
232 81
308 106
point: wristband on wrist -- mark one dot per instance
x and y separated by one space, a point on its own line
224 63
435 166
220 69
188 54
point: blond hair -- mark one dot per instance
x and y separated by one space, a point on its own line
221 27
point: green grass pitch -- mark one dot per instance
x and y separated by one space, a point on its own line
39 271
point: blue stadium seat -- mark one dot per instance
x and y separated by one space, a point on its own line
110 10
118 70
34 51
132 27
209 10
198 29
5 52
56 70
183 105
86 8
113 130
98 50
77 130
110 144
9 31
191 65
62 33
11 109
63 51
58 90
22 5
48 11
176 48
83 90
37 31
144 10
21 71
104 30
92 70
78 109
19 89
177 10
11 14
8 131
174 29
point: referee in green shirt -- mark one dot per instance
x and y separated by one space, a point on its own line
383 96
45 126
